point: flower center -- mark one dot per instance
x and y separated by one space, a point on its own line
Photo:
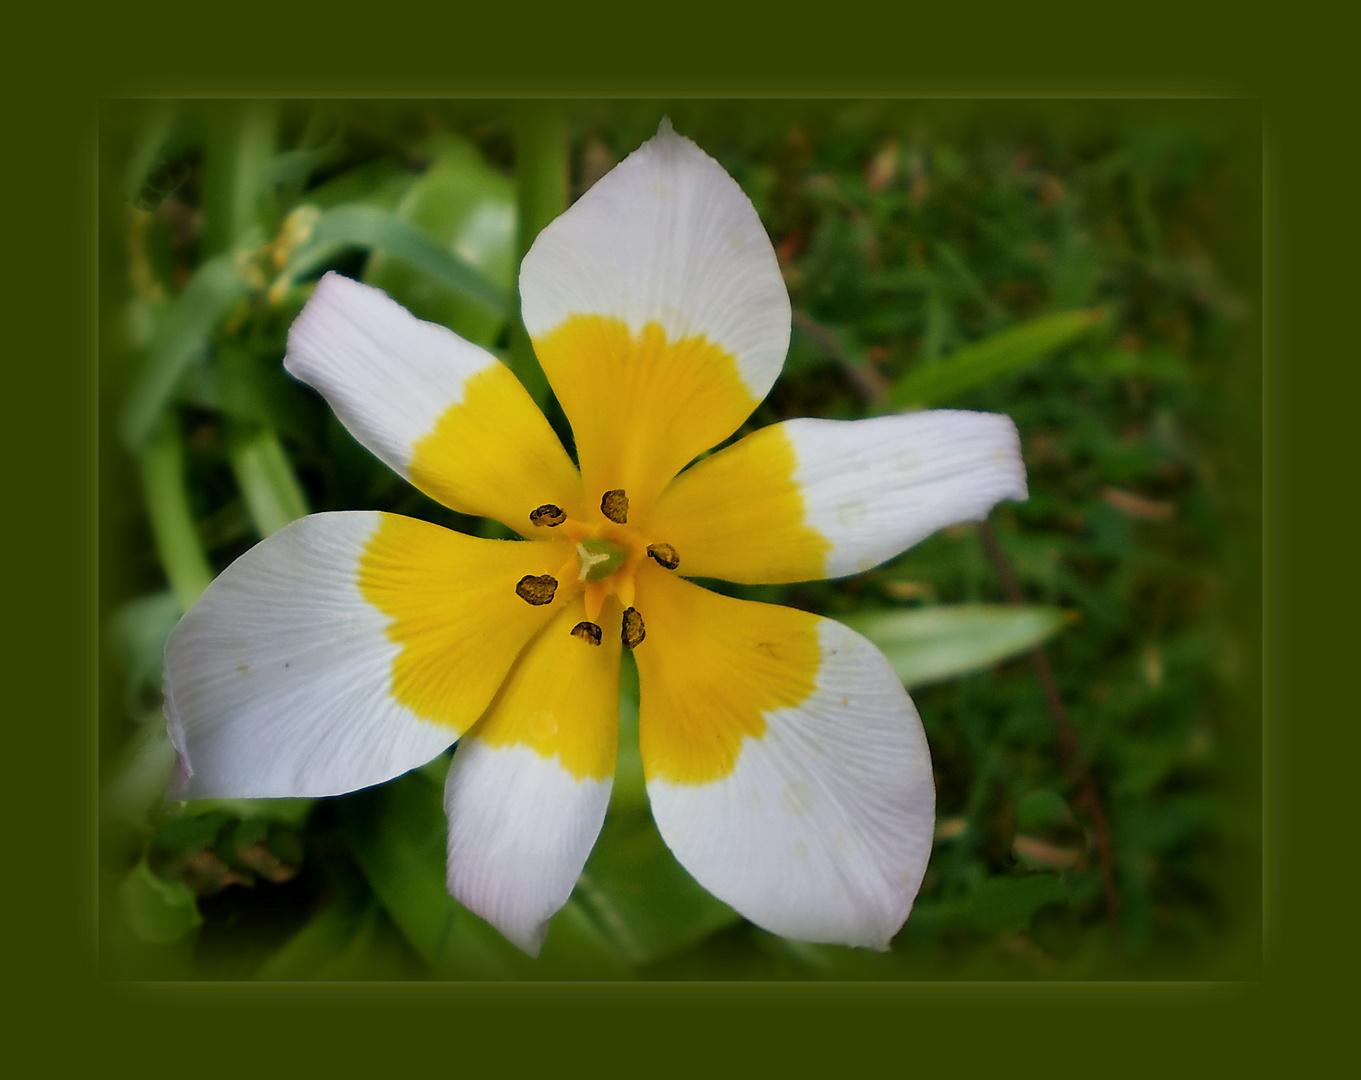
599 558
607 555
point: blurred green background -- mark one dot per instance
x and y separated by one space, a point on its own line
1091 269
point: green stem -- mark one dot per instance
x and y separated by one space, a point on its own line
263 473
161 465
541 170
240 149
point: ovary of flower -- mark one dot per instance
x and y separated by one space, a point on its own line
785 764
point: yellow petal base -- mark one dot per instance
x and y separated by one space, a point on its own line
710 670
455 612
641 406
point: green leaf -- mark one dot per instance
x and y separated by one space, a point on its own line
148 176
157 911
1042 809
641 897
181 338
136 634
161 464
139 776
578 947
397 833
364 226
288 811
1006 904
630 787
382 182
263 472
350 938
238 199
926 645
469 207
542 169
1005 352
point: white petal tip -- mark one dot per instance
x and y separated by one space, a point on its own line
527 938
530 943
669 142
520 829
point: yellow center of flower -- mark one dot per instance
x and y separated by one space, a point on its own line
600 558
606 554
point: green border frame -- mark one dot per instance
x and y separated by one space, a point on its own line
1170 52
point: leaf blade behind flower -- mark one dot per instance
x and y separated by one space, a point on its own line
927 645
214 290
364 226
1004 352
397 834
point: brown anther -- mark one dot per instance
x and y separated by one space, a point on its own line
588 632
665 555
537 590
615 506
632 631
548 515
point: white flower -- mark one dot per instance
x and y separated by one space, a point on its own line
785 764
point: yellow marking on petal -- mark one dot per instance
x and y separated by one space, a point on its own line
570 569
711 669
739 515
641 406
562 698
494 454
454 612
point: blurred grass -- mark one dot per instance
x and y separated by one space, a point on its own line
1088 269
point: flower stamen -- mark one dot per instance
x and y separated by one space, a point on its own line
589 632
537 590
615 506
632 630
664 555
547 515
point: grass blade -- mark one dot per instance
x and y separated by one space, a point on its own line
982 361
926 645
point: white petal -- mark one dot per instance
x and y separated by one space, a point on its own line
277 681
443 413
823 829
668 237
520 829
388 375
527 792
810 499
876 487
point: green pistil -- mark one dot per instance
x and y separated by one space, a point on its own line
599 558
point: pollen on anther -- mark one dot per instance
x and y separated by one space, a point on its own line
588 632
665 555
632 631
547 515
537 590
615 506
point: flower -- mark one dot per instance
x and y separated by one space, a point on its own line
786 767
